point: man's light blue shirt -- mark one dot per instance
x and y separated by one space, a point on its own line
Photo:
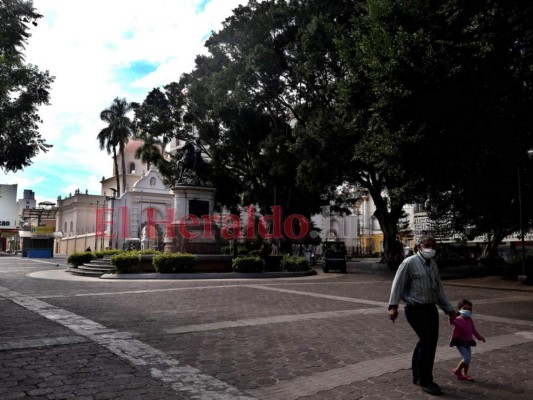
417 281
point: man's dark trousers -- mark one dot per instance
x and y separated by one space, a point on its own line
424 319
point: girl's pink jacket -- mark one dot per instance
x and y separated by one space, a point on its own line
462 333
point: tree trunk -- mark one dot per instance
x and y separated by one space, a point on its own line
123 170
490 252
388 218
115 161
392 248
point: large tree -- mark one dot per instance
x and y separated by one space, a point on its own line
452 94
241 106
269 101
430 90
405 99
23 88
119 131
339 119
270 68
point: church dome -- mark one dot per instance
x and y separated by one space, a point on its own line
132 146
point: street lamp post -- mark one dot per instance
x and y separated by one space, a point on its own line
521 215
112 198
103 226
118 222
96 228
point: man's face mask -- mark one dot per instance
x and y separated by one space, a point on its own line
427 253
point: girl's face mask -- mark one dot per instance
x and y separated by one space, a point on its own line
465 313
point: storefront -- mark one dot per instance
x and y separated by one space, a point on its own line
37 237
8 216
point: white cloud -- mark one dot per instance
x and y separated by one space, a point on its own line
89 47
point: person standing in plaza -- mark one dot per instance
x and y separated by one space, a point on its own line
462 337
263 253
418 284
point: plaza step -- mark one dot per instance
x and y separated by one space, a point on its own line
95 268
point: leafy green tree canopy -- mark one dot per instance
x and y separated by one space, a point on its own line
23 88
240 102
453 93
408 100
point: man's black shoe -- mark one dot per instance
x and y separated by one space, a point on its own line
432 389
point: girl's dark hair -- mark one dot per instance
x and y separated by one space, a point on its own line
464 302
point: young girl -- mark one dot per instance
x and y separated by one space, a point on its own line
462 338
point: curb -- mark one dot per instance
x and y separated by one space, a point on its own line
518 288
211 275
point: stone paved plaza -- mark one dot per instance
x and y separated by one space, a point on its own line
321 337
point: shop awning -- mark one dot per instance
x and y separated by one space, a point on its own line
40 213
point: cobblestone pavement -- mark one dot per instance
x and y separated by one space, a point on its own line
320 337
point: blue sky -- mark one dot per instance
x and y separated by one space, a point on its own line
98 50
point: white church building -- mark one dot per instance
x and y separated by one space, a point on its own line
113 220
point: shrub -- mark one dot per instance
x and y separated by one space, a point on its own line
149 252
125 261
77 259
176 262
294 263
108 253
247 264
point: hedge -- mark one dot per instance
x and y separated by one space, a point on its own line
294 263
247 264
124 262
108 253
77 259
175 262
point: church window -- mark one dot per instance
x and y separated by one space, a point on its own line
132 168
152 181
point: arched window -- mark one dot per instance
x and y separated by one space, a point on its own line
65 229
132 168
71 226
152 181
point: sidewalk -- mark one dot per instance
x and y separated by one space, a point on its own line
325 337
456 276
490 282
41 359
453 276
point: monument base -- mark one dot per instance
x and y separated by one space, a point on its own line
204 263
192 227
194 239
213 263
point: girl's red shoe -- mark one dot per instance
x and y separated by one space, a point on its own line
458 374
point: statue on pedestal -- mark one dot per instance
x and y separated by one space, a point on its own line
192 168
145 243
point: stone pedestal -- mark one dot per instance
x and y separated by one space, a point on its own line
193 226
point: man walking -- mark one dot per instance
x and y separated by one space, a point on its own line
418 284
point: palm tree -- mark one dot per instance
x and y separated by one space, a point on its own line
117 134
105 137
